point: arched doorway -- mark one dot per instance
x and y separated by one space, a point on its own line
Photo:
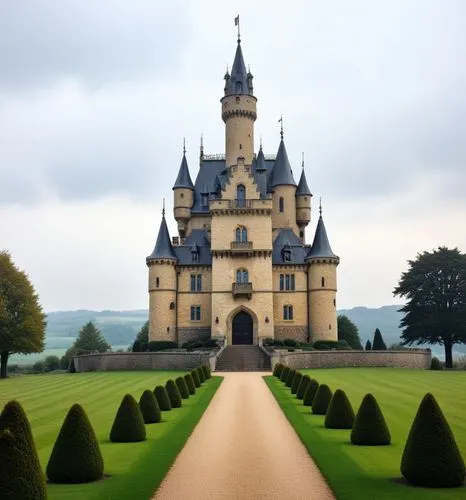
242 329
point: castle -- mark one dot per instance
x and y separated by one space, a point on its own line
240 267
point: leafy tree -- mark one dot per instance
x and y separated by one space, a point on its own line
51 363
90 340
348 331
22 322
142 339
378 343
368 346
435 288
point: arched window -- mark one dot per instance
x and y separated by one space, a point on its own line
281 204
240 195
241 234
242 276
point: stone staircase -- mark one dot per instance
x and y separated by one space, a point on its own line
243 358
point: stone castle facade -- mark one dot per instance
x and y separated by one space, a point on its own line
240 267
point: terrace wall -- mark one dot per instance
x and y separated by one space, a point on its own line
419 359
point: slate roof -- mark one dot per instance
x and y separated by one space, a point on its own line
184 179
287 241
321 246
196 242
163 248
303 188
237 81
282 173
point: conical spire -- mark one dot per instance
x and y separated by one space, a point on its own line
184 179
239 81
303 188
260 161
321 246
163 248
281 172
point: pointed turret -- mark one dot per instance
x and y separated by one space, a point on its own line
239 81
163 248
303 188
184 179
281 173
260 161
183 192
321 248
303 205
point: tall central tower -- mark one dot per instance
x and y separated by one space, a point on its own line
239 112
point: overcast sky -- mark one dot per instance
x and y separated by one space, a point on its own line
96 97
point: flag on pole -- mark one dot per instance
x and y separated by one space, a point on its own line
236 20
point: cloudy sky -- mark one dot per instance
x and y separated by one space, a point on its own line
96 97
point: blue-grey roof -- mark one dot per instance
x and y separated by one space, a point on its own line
196 242
321 246
282 173
163 248
285 243
184 179
303 188
238 82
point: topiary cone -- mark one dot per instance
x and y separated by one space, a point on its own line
340 414
149 408
431 457
303 386
290 377
206 370
310 393
182 387
370 428
284 374
201 374
277 371
195 376
296 381
76 455
162 397
321 400
14 419
173 394
190 383
128 426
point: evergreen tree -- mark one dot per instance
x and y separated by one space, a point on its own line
90 340
340 414
303 386
368 346
128 426
369 426
348 331
378 343
173 394
310 393
76 456
431 457
149 408
142 339
22 321
190 383
321 400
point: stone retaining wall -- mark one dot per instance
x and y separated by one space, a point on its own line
143 361
337 359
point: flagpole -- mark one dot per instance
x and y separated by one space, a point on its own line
237 24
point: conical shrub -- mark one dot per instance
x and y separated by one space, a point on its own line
431 457
321 400
201 374
14 419
162 397
173 394
182 387
190 383
290 377
195 376
310 393
370 428
303 386
284 374
76 456
128 426
340 414
277 371
296 381
207 372
149 408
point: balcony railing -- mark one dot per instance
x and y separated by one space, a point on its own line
242 289
240 203
241 246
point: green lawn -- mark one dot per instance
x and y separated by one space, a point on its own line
136 469
356 472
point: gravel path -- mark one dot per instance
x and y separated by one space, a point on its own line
243 448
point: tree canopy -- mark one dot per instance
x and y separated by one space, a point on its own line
90 339
435 288
22 321
142 338
348 331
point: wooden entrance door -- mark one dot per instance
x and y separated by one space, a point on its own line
242 328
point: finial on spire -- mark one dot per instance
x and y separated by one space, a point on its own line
260 142
163 209
320 206
201 149
184 145
281 126
302 163
237 24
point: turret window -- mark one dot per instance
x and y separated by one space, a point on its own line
196 282
322 281
287 281
241 234
157 282
205 200
242 276
281 204
288 312
195 313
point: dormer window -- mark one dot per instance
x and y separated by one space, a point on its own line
204 199
195 253
286 253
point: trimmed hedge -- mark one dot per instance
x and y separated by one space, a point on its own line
76 455
149 408
207 373
370 428
284 375
436 364
14 419
327 345
310 393
161 345
190 383
173 394
128 426
296 381
340 413
290 377
162 397
277 371
321 400
303 386
201 374
196 379
431 457
182 387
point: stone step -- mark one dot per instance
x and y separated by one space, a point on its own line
243 358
